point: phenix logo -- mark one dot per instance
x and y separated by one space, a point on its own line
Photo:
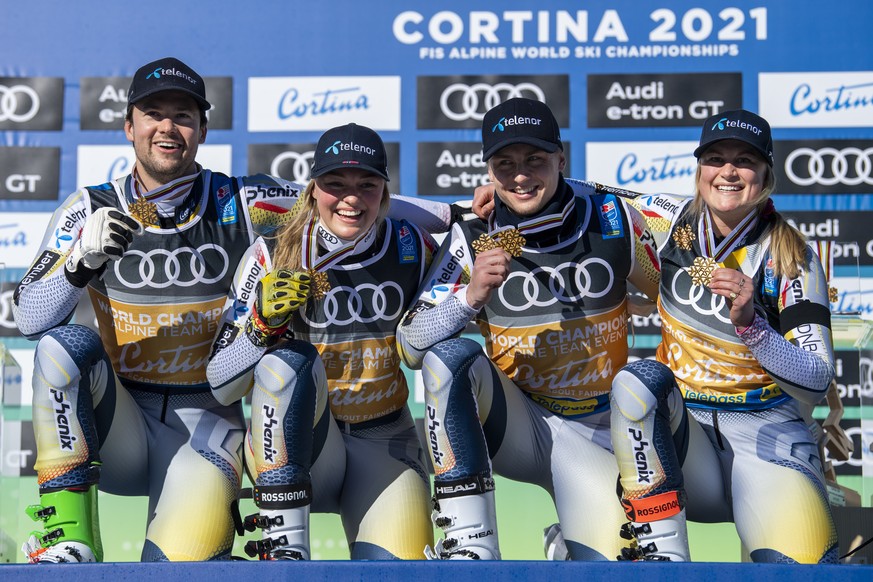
269 422
62 411
432 426
644 474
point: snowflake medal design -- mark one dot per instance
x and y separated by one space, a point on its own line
701 270
511 241
683 236
144 211
319 285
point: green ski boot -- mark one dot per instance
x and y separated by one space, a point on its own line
72 529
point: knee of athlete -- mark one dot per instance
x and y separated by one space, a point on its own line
639 387
63 355
447 361
282 369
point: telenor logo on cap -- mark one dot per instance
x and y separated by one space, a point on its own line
724 122
504 122
172 73
338 146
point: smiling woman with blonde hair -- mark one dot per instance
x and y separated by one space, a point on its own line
331 430
717 429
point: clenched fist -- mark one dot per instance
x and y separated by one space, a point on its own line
106 235
279 294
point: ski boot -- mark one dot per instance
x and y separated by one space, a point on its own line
284 518
469 521
71 524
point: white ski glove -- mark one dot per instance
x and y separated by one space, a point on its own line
106 235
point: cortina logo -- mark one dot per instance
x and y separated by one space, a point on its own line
332 148
720 123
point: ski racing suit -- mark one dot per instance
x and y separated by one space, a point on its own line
533 404
131 408
331 427
740 448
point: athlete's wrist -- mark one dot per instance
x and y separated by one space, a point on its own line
261 334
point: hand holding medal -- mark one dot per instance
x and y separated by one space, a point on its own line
738 289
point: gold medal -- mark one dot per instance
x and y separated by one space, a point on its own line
701 270
319 285
833 294
683 237
511 241
484 243
144 211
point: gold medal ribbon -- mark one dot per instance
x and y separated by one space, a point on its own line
706 234
512 238
701 269
316 266
144 207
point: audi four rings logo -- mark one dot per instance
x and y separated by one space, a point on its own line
300 168
840 162
15 98
182 267
460 102
695 294
364 303
6 320
568 283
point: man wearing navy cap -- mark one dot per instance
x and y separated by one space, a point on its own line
130 409
546 279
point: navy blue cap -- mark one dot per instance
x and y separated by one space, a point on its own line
741 125
350 146
168 74
520 120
